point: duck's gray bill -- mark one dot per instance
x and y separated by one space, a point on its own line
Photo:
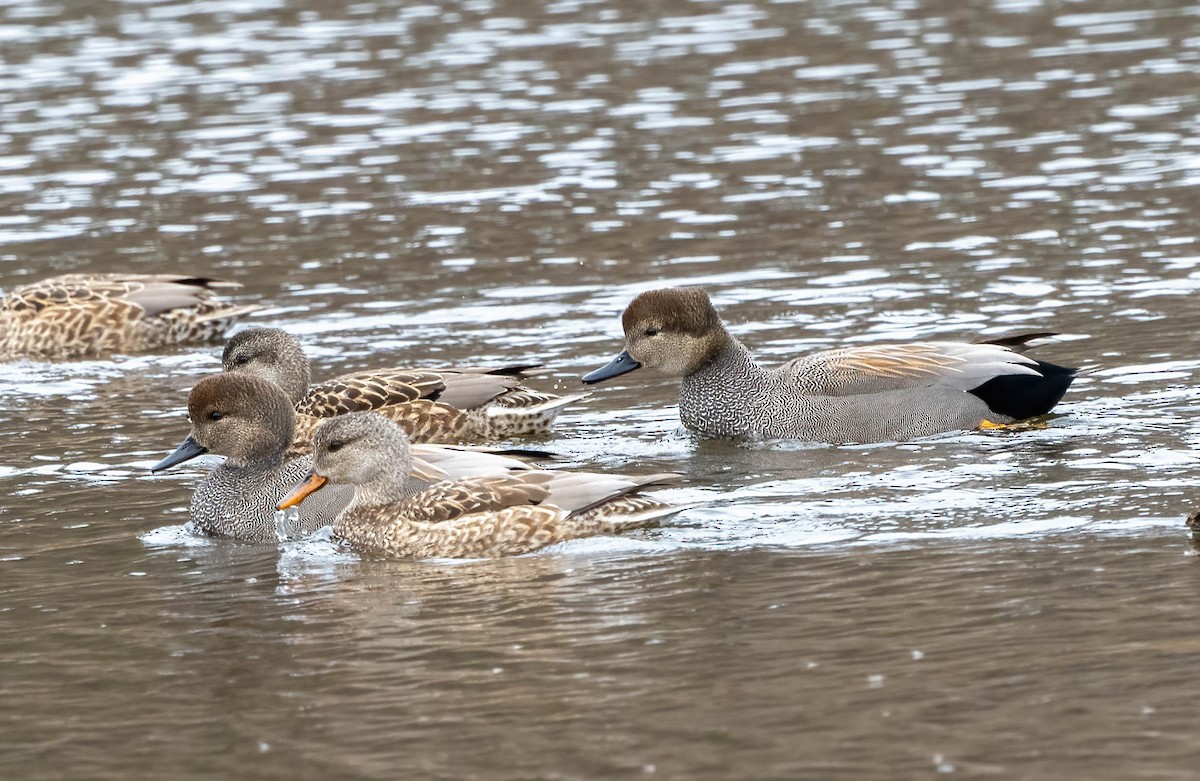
622 364
186 451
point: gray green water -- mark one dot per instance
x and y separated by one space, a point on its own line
493 181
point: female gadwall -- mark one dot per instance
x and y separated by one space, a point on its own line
249 421
432 405
471 517
93 315
852 394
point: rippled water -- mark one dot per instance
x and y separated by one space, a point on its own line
494 181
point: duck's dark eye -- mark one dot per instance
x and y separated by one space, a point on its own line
335 445
651 332
216 415
241 360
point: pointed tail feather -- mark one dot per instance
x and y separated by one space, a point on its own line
1018 343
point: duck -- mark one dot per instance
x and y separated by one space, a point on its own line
858 394
95 315
445 406
249 420
471 517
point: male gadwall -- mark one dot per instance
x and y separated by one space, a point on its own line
94 315
249 421
853 394
432 405
471 517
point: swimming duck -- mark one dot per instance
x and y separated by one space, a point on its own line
871 393
249 421
432 405
471 517
94 315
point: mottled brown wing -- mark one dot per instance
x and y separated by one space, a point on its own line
145 295
508 531
455 498
57 293
82 314
430 422
369 391
511 531
55 320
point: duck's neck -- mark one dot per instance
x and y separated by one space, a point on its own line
260 461
716 399
292 376
295 379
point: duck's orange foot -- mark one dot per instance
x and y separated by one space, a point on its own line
1020 425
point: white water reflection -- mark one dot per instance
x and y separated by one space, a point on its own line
493 182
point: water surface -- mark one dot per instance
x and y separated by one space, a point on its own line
493 181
